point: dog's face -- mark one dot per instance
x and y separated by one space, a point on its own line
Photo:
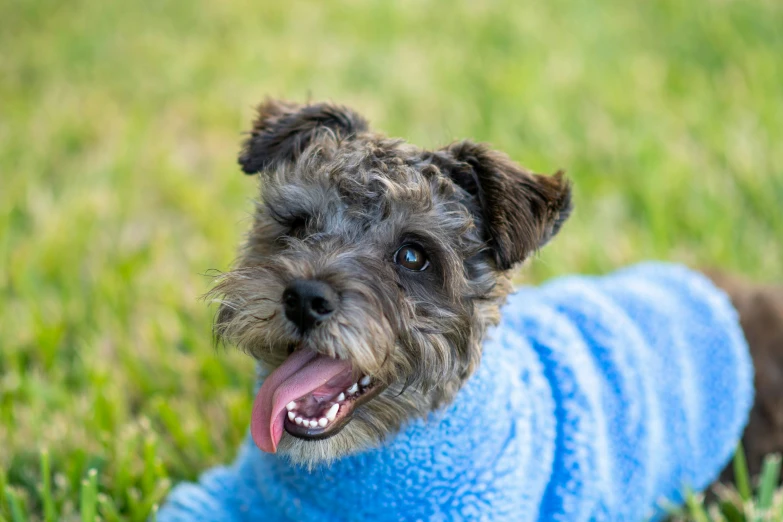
371 273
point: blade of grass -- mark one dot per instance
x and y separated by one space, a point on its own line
715 514
695 508
152 500
741 474
2 494
731 512
108 509
46 488
89 496
15 506
770 476
148 475
134 500
779 514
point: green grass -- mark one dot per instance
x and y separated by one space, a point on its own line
119 127
740 503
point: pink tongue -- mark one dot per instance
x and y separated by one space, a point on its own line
300 374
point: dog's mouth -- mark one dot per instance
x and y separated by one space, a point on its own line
311 396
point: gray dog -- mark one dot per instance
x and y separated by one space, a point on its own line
369 289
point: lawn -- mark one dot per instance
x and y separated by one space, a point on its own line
119 189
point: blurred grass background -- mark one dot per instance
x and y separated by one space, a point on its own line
119 129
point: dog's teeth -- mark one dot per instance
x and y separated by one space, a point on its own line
298 420
313 423
341 397
291 415
323 421
290 406
353 389
332 413
365 380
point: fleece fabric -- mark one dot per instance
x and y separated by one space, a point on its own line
598 398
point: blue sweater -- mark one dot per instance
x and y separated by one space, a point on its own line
598 398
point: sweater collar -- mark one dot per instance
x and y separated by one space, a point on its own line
407 469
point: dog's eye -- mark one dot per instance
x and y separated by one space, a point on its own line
297 226
411 257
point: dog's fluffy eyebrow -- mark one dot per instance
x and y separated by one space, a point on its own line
286 203
283 215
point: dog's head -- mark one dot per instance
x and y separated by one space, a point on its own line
371 273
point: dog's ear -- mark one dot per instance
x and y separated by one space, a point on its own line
282 130
520 211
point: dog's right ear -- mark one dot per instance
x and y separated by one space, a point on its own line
282 130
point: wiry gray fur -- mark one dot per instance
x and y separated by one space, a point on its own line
336 202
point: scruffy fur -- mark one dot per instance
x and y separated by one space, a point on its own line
760 309
337 200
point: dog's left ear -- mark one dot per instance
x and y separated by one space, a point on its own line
282 130
520 211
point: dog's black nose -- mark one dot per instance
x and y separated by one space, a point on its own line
309 302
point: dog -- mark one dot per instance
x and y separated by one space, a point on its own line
396 385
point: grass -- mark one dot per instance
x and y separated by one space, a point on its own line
732 505
119 127
740 503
